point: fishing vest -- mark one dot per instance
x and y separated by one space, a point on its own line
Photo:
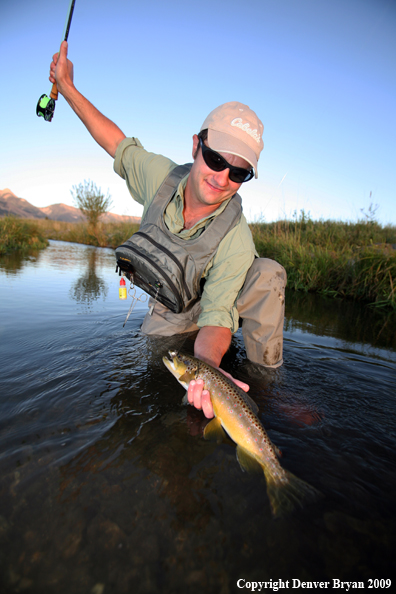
164 265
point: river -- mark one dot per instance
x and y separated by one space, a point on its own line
106 483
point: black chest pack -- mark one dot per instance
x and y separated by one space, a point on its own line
170 269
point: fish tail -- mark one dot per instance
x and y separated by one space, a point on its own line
286 492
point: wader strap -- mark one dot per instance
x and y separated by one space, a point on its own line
201 249
165 193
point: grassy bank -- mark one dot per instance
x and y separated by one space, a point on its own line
350 260
20 234
353 260
105 235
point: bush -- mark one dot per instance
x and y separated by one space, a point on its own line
19 234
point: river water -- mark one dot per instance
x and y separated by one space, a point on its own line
106 483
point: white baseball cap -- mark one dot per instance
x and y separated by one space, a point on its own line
234 128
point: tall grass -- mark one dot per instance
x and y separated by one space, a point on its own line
103 235
20 234
352 260
333 258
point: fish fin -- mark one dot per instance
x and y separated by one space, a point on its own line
186 378
277 450
214 431
286 492
246 461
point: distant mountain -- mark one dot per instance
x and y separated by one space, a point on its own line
11 205
19 207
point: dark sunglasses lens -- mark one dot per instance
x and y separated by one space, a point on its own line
216 162
239 175
213 160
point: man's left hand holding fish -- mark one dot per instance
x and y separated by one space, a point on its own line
211 351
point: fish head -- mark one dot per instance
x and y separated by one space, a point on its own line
183 367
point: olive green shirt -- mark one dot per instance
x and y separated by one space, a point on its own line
144 173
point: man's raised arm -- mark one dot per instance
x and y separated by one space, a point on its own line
103 130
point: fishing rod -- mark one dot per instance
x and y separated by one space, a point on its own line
46 105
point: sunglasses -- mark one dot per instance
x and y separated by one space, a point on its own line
216 162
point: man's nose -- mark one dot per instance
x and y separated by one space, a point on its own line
222 178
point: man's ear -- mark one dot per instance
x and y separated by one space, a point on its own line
195 146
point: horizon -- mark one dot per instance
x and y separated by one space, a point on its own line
319 73
367 217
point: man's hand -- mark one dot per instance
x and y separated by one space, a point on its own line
61 69
211 344
200 398
106 133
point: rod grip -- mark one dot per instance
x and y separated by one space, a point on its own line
54 92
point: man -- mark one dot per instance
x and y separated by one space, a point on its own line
225 155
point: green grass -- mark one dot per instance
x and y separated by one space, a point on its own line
105 235
20 234
353 260
348 260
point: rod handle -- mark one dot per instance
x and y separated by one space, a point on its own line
54 92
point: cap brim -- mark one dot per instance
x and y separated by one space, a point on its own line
225 143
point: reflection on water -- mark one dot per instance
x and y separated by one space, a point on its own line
106 484
337 320
89 286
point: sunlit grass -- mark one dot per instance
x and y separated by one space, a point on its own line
104 235
354 260
20 234
350 260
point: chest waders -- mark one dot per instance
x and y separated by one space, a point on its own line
164 265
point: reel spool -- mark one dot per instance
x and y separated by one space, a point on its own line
45 107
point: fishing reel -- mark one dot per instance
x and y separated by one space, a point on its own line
45 107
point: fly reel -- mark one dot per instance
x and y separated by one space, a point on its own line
45 107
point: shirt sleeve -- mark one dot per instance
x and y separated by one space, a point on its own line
225 277
143 172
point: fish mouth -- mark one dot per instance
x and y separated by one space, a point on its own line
170 364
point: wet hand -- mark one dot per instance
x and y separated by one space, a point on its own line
200 398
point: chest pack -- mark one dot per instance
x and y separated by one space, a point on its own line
168 267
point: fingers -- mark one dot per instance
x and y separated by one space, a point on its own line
60 66
200 398
242 385
207 407
194 393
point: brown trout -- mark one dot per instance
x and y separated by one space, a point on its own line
235 412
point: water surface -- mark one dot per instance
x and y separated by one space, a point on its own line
106 483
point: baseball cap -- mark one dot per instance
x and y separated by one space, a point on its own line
234 128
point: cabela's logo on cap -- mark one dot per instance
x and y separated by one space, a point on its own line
246 128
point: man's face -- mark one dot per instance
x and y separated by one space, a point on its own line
208 187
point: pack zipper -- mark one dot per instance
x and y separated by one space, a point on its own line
172 256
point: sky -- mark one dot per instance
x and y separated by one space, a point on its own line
320 74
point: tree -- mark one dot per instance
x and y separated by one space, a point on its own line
90 200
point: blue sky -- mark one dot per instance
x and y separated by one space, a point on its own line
321 74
